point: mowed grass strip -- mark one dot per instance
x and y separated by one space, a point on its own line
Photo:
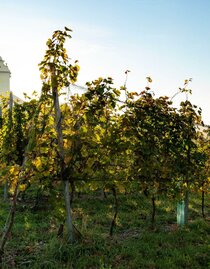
33 242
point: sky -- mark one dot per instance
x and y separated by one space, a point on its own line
168 40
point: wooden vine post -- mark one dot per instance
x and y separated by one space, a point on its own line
58 127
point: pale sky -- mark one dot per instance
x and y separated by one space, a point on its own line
168 40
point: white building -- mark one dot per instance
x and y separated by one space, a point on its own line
4 78
5 75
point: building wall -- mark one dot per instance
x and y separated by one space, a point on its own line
4 82
4 77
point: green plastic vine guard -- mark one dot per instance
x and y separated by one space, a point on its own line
181 213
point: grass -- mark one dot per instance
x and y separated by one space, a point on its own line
33 242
